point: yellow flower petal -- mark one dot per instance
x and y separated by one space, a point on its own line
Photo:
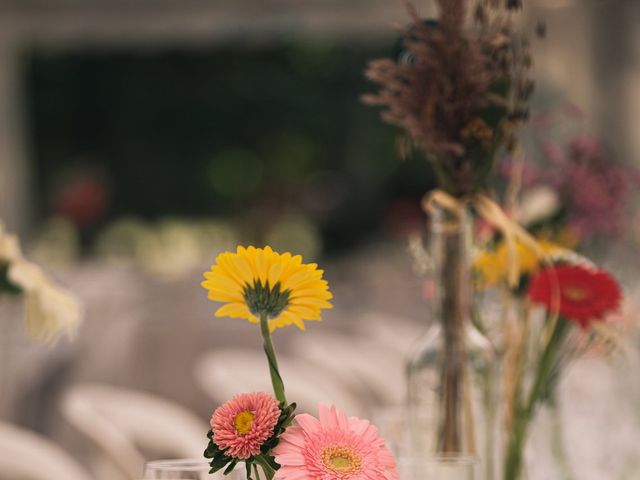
300 296
244 268
311 302
262 265
291 264
221 281
305 312
222 296
296 279
231 268
233 310
299 323
274 273
250 256
311 284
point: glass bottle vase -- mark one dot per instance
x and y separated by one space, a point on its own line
439 467
451 380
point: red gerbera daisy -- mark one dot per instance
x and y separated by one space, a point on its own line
585 294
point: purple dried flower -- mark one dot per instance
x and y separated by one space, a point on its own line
595 192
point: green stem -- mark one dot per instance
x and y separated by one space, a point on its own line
514 460
276 378
488 400
513 465
266 468
558 444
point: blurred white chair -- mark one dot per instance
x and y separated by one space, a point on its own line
397 333
24 454
226 372
123 424
370 363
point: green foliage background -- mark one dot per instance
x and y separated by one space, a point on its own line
221 132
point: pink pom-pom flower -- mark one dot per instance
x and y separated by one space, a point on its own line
243 424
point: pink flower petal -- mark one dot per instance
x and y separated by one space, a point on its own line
308 423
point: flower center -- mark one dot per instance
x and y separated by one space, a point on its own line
575 293
243 422
341 460
263 299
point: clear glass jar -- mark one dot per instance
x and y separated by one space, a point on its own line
439 467
451 379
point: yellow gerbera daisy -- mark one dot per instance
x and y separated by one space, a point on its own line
256 281
492 266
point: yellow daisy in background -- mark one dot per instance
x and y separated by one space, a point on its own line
492 266
567 237
256 282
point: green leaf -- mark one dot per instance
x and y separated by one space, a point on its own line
231 466
272 462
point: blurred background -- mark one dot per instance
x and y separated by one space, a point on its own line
140 138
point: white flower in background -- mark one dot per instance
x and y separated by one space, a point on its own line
50 311
170 249
9 246
538 203
26 275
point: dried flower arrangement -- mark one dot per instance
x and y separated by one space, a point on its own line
458 89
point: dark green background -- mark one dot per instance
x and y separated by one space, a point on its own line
232 132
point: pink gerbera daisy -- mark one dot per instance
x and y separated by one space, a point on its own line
335 447
242 425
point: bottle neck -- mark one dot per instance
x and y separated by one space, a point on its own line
451 250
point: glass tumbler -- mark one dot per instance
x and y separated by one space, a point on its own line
186 469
